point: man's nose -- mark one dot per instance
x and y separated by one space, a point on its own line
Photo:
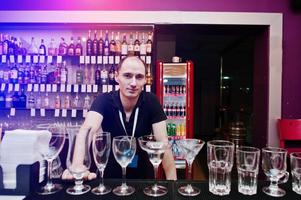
134 81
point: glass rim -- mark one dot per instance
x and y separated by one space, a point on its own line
99 133
274 149
247 149
220 143
120 137
296 155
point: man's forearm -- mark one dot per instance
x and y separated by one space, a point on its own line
169 166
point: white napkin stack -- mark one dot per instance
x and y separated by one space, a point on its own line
20 147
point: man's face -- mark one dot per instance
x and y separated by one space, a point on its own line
131 78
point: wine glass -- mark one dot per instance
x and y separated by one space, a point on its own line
189 148
78 158
101 150
56 138
155 150
124 149
274 167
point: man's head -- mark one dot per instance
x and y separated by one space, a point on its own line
130 75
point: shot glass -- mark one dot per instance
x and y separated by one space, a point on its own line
295 158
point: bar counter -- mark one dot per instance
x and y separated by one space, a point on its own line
172 191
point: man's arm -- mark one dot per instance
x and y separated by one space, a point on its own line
159 130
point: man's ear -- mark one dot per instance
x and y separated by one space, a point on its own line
117 77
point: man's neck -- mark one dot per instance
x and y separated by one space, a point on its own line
128 104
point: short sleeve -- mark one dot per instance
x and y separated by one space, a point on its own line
98 104
155 108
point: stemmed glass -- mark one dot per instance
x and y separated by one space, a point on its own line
78 158
124 149
155 150
189 148
274 167
101 146
56 138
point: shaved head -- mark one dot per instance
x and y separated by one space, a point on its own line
130 60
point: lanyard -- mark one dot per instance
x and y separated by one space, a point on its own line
135 121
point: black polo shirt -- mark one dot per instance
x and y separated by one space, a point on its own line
150 112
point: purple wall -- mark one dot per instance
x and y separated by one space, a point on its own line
291 96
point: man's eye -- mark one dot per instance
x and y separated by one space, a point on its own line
139 76
128 75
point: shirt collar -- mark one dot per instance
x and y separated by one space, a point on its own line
117 101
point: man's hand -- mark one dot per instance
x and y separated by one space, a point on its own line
87 176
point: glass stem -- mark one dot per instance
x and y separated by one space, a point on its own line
101 177
156 174
189 170
123 176
49 166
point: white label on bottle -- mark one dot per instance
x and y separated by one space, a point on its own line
49 59
59 59
48 87
57 112
20 59
89 88
85 111
83 88
54 87
87 60
42 112
3 59
42 87
27 59
68 89
117 59
36 87
93 59
111 59
105 60
82 60
42 59
148 60
32 112
104 88
73 113
64 113
116 87
110 88
95 88
17 87
10 87
147 88
142 58
12 112
29 87
12 58
63 88
75 88
35 59
3 86
99 59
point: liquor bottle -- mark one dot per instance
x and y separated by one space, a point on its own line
112 75
106 48
57 74
11 46
79 75
95 44
6 75
149 77
149 44
137 45
104 76
21 50
92 75
167 109
42 48
15 100
184 110
1 44
71 48
76 101
1 76
181 110
112 45
44 74
64 73
32 74
5 45
57 102
124 46
131 45
79 47
31 101
2 99
87 76
97 76
63 47
118 44
8 100
87 101
51 48
26 74
100 44
89 44
45 103
67 102
33 48
38 101
143 45
38 74
13 74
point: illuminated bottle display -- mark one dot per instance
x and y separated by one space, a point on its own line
137 45
131 46
95 44
64 74
71 48
79 47
149 44
106 47
42 48
51 48
97 76
112 45
89 44
100 44
63 47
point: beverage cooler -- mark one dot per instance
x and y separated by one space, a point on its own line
174 89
